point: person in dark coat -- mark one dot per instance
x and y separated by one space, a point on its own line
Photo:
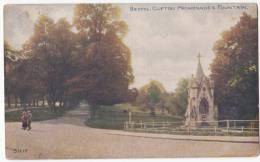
24 120
29 120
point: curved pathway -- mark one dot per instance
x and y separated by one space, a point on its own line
68 137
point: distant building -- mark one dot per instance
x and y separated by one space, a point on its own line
201 109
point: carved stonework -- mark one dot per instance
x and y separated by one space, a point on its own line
201 110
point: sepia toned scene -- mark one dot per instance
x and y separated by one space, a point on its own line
131 80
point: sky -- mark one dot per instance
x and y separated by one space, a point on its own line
164 39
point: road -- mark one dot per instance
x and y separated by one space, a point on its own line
68 137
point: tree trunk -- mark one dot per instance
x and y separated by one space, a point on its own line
49 103
60 103
152 111
65 104
23 102
37 102
9 101
162 108
53 106
16 102
43 104
34 102
93 110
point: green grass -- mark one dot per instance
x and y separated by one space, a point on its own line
113 117
38 114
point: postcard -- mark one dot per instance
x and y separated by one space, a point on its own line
133 80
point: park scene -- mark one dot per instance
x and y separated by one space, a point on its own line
130 80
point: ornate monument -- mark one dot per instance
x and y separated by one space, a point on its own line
201 110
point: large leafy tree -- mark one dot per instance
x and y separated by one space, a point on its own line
180 99
151 96
64 41
19 81
25 83
169 104
105 68
154 95
50 50
40 55
9 65
235 70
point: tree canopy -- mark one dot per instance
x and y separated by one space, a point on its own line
235 70
150 96
106 70
50 50
92 63
180 100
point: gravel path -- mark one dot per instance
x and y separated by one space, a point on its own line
68 137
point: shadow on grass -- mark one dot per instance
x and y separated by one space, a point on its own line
113 118
38 114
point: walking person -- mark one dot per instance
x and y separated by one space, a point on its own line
29 120
24 120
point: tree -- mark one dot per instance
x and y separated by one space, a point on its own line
169 104
41 52
180 100
9 63
51 50
105 70
64 41
24 81
235 70
151 96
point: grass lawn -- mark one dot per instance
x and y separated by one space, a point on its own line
38 114
113 117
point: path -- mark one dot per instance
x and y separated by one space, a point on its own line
68 137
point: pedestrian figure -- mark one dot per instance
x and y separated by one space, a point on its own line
24 120
29 120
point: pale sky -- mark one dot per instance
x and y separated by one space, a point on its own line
164 42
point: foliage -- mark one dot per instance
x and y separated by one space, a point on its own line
91 64
8 68
151 96
51 50
235 70
180 100
105 70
